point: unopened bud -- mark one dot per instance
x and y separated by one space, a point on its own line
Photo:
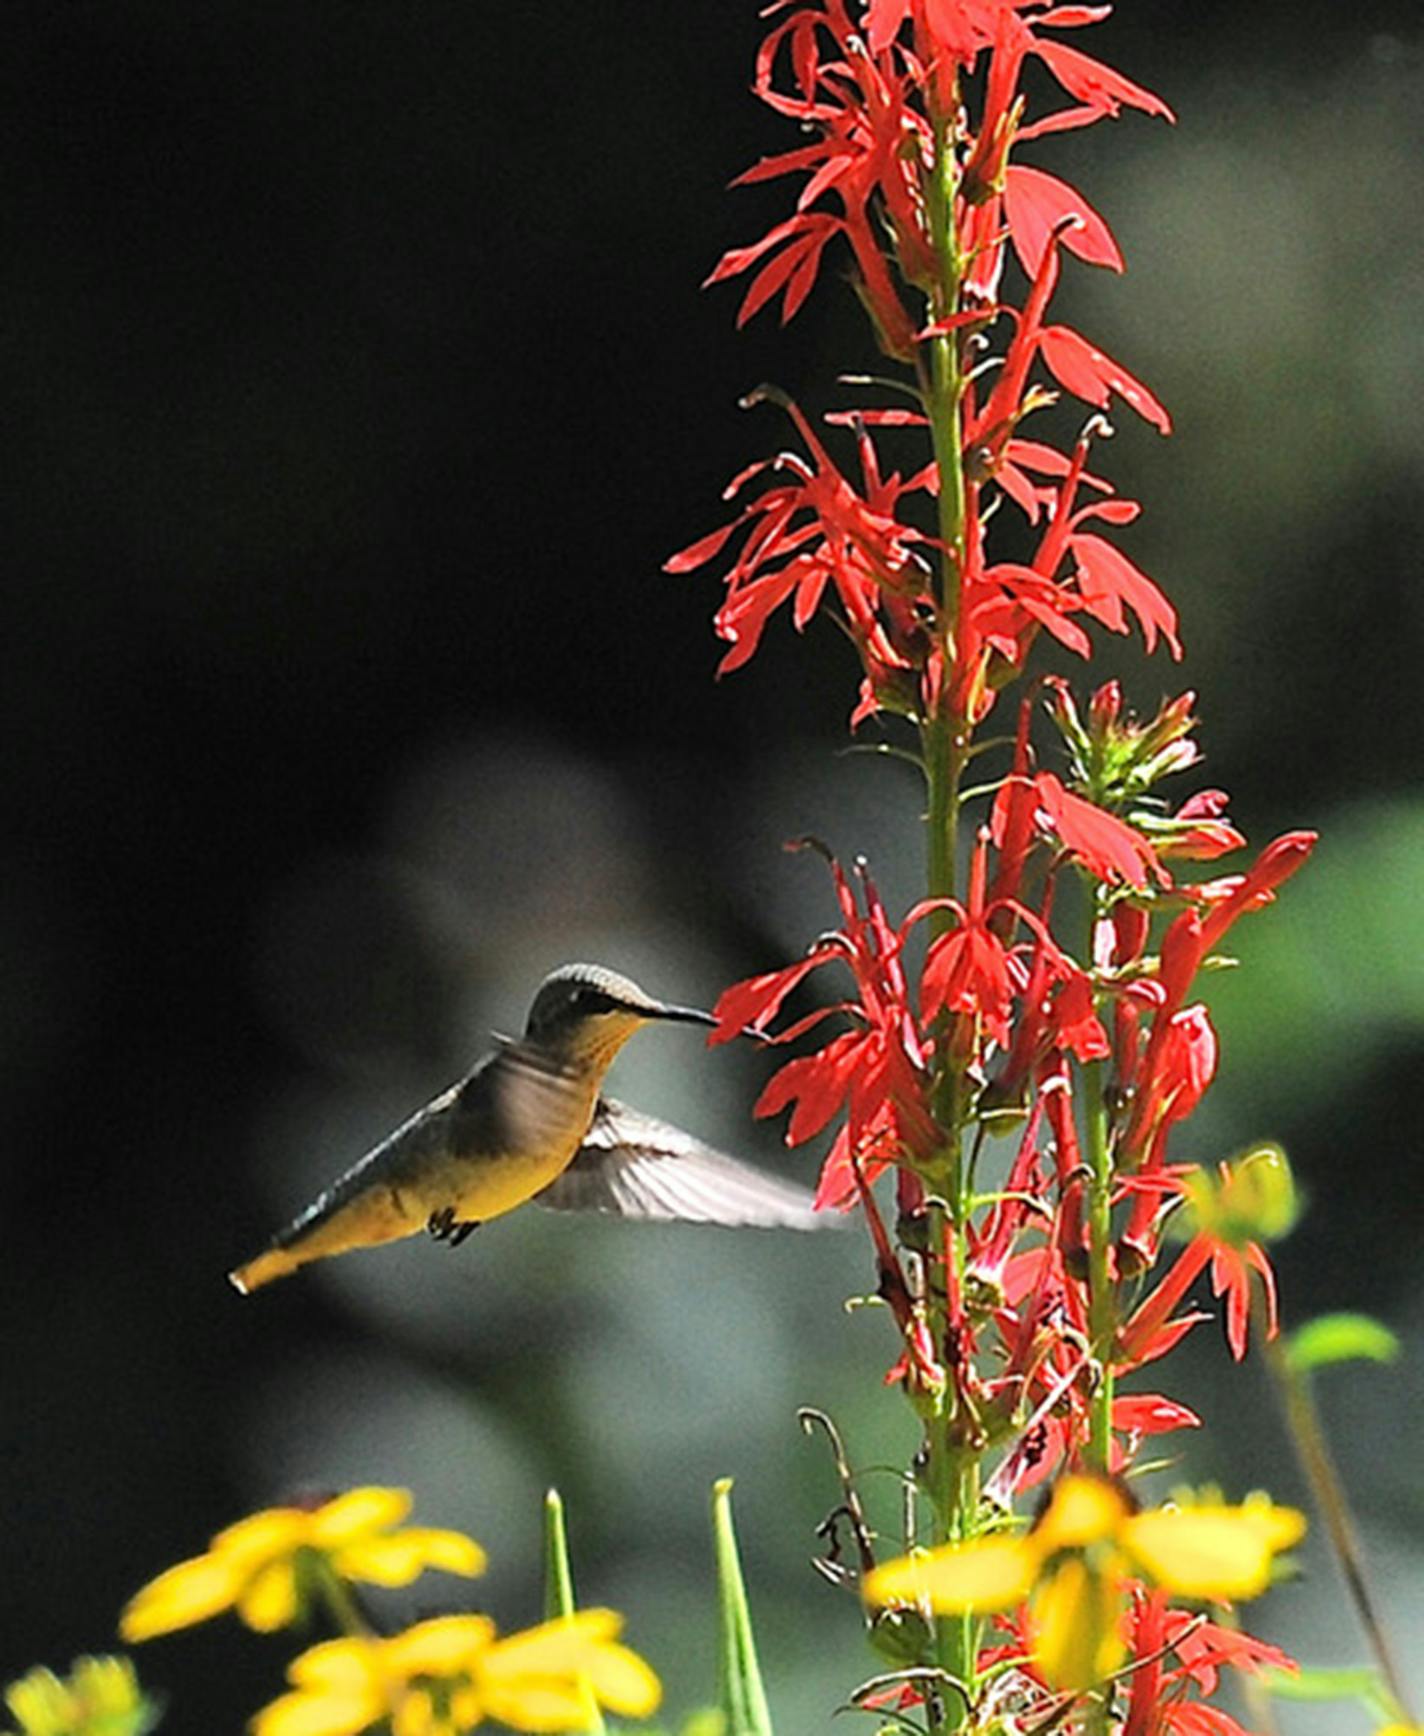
1105 707
1251 1199
1172 722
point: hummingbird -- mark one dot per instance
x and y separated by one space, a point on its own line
530 1121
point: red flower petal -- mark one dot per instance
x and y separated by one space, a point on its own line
1092 375
1099 86
1107 579
1148 1413
1105 845
1036 203
755 1002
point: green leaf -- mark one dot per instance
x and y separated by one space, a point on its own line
1339 1338
739 1686
1343 1684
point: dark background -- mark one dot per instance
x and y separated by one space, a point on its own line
356 384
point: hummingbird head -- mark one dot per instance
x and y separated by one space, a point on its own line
586 1013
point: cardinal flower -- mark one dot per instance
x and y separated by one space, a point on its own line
811 529
876 1071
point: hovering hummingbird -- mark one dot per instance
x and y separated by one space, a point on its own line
530 1122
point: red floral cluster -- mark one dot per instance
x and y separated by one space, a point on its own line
878 92
1018 1310
996 999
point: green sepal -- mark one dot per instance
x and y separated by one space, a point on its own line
739 1685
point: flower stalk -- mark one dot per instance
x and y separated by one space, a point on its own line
1312 1449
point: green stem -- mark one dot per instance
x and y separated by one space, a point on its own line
1316 1460
946 382
341 1605
944 743
1102 1307
1102 1302
951 1472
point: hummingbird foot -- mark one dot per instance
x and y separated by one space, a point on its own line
444 1226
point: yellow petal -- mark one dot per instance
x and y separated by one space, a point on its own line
415 1716
269 1599
990 1574
190 1592
1201 1552
1281 1527
623 1682
449 1645
359 1511
303 1714
41 1702
1077 1616
1083 1511
338 1667
401 1556
554 1648
465 1708
263 1537
538 1703
107 1687
558 1656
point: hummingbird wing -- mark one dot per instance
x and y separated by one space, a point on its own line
636 1166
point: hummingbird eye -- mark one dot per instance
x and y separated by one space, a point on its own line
594 1001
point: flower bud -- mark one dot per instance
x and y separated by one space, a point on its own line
1251 1199
1105 707
901 1635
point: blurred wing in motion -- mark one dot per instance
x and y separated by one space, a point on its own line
635 1166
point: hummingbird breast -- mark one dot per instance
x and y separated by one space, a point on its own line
516 1126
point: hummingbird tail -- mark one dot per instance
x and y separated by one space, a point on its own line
273 1264
353 1213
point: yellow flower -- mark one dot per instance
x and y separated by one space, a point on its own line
541 1679
101 1698
343 1686
1072 1564
255 1565
444 1677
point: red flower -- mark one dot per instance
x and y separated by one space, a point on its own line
871 146
1107 847
1199 830
876 1071
1181 1652
1232 1269
1227 900
809 531
967 970
1036 205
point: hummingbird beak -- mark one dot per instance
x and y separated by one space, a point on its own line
680 1015
695 1016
